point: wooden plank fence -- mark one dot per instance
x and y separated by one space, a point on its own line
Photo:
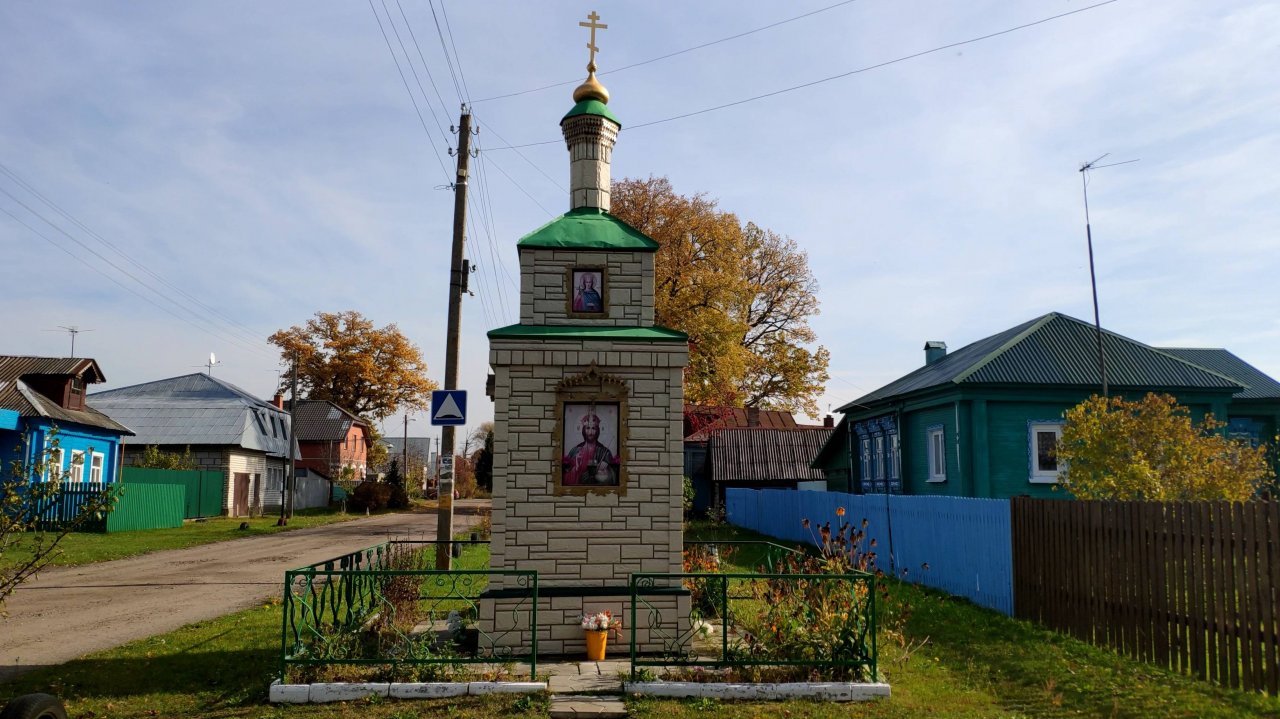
1189 586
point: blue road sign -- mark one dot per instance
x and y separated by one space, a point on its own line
449 407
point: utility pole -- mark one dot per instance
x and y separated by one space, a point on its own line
293 441
457 285
404 452
1093 279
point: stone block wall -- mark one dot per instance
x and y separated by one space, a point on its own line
591 540
545 291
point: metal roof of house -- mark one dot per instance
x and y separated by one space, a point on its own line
320 420
1256 384
17 396
197 409
15 366
701 420
1054 349
764 455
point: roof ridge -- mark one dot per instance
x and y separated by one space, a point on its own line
991 356
1215 373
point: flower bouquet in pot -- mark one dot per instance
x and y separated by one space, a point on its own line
597 626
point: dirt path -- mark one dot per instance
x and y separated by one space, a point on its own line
68 612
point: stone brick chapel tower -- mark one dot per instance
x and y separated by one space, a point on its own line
588 400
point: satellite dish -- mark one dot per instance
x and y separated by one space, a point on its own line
212 359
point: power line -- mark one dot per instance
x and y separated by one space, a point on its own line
456 56
125 287
462 96
672 54
405 81
860 70
118 268
246 331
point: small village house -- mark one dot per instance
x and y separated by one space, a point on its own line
42 399
984 421
227 429
332 442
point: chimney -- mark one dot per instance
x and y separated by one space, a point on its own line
278 400
753 416
934 350
828 421
590 132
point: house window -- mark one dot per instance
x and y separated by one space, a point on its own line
95 467
53 465
865 457
878 475
937 448
77 465
1043 452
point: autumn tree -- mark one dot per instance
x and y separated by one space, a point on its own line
364 369
743 294
1150 449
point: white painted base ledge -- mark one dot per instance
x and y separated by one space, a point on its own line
824 691
340 692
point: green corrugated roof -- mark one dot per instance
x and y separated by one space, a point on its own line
1053 350
589 332
1257 385
588 228
592 107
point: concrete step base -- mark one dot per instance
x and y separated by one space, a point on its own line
585 707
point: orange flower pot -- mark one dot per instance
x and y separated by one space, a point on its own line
595 645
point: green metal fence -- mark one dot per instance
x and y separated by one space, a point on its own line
204 488
146 506
760 622
388 608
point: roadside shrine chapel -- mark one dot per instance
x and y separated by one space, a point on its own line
588 400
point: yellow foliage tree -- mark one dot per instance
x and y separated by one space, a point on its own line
366 370
1150 449
742 293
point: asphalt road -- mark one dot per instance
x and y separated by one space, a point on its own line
69 612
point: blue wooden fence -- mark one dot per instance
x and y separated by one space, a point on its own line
965 543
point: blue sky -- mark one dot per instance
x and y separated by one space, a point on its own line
251 163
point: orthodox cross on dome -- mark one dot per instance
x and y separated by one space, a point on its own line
593 17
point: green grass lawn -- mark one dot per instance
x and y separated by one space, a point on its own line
88 547
964 661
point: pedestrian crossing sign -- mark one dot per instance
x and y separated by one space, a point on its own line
449 407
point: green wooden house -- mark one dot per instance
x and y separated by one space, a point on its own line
984 421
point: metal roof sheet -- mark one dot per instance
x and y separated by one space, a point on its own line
15 366
1054 349
197 409
321 420
1256 384
17 396
764 455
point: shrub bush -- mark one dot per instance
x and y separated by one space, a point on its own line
372 496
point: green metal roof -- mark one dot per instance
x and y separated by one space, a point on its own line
588 228
589 332
592 107
1257 385
1053 350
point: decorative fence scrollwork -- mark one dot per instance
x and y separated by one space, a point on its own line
388 608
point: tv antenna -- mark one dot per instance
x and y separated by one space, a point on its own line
73 331
1093 278
213 362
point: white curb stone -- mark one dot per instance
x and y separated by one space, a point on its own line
289 693
832 691
322 693
427 690
506 687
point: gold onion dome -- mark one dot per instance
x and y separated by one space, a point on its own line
591 89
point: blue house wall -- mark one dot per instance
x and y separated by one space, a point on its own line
15 447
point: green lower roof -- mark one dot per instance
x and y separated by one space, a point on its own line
588 228
589 332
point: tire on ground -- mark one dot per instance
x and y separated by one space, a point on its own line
34 706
